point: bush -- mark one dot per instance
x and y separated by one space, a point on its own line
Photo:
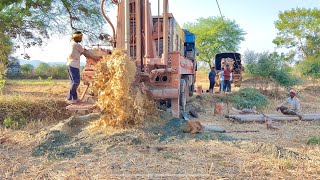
270 66
314 140
310 66
16 111
249 97
2 83
14 123
26 69
285 79
45 71
3 68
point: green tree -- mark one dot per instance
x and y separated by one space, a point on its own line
5 51
26 69
299 31
270 66
310 66
26 23
59 72
215 35
43 69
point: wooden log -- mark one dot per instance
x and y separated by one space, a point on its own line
214 128
274 117
269 115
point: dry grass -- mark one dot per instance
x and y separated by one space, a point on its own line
267 154
33 101
120 99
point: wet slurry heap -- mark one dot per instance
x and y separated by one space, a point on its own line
119 96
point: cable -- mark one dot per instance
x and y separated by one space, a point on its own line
110 23
219 10
235 59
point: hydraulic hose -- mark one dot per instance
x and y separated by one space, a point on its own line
108 20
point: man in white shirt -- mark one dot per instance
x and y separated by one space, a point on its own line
221 78
294 105
73 65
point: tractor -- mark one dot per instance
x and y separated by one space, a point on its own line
164 52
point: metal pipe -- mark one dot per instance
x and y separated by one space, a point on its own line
138 31
165 32
158 54
163 70
164 93
146 29
127 26
110 23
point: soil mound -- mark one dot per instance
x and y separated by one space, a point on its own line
58 145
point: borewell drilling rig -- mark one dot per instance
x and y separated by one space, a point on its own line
164 52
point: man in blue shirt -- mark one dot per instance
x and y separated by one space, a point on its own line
212 77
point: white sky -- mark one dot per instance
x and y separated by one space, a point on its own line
256 17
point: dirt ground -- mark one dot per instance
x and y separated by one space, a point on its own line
159 149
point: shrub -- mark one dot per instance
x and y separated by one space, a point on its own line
270 66
16 111
310 66
10 122
285 79
3 68
45 71
314 140
26 69
2 83
249 97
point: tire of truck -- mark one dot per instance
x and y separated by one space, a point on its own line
184 93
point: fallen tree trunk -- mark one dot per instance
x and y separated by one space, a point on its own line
274 117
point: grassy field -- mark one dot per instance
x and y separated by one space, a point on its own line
153 150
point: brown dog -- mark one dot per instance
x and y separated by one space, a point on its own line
192 127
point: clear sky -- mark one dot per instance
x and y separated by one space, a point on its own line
255 17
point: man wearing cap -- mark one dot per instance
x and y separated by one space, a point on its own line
294 105
73 65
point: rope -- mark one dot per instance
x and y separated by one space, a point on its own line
234 54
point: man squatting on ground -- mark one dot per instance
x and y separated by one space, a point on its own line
294 105
212 78
73 65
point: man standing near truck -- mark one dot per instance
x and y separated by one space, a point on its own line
227 78
212 79
221 78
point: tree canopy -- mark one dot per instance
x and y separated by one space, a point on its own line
215 35
26 23
310 66
27 68
299 31
270 66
